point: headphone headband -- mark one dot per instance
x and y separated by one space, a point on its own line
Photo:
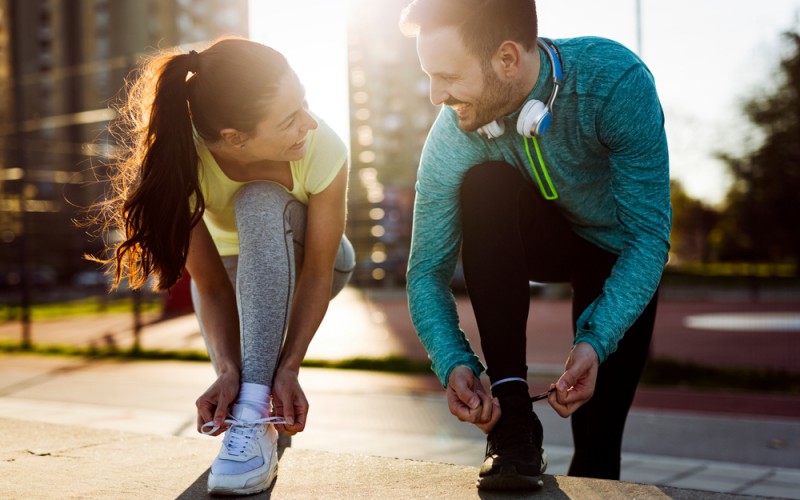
555 61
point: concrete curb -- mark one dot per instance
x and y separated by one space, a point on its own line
40 460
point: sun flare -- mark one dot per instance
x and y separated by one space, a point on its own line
312 34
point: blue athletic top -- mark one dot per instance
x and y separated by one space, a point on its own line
606 157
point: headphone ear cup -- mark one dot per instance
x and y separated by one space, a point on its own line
493 129
530 117
544 123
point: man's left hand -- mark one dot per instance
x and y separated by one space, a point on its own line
576 386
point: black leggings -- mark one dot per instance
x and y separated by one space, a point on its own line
512 236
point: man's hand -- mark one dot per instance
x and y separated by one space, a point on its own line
576 386
289 401
215 403
469 401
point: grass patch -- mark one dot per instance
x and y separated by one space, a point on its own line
82 307
671 373
658 372
137 354
15 348
735 269
394 364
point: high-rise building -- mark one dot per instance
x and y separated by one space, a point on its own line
61 64
390 115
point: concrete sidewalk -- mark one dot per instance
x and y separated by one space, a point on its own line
55 461
371 414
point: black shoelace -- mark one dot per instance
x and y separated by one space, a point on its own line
541 396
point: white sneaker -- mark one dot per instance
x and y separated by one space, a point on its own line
248 460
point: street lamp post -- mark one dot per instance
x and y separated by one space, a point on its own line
24 269
639 28
24 263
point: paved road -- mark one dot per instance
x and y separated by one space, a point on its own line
376 324
402 416
762 345
761 335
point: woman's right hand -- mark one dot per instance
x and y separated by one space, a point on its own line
214 404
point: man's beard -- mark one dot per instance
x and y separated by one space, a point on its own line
492 102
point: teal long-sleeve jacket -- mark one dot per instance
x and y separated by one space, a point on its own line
606 157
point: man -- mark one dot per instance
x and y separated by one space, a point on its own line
575 190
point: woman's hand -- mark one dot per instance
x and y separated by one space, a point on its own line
215 403
289 401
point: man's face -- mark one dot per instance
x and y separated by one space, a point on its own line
458 80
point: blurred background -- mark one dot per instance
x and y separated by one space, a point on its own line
723 380
728 76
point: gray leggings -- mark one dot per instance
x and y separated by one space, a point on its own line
271 224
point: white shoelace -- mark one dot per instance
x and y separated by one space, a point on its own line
239 438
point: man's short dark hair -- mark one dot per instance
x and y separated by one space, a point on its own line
482 24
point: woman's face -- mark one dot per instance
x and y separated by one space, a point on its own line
281 136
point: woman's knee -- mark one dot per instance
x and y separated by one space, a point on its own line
261 194
343 267
345 257
265 204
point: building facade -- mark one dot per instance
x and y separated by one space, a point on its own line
390 115
62 62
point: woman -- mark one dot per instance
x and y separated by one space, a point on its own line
228 174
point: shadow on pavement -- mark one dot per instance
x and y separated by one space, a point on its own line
198 489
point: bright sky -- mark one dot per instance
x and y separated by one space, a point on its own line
707 56
312 34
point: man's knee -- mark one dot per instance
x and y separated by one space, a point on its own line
486 180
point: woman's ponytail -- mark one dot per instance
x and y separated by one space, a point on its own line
157 190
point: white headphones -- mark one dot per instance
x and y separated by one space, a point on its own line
535 116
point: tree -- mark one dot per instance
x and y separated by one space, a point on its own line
763 206
692 221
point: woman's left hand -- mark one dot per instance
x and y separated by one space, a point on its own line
289 401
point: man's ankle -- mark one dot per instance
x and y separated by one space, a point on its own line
510 387
516 403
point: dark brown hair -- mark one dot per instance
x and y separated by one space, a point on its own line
156 198
482 24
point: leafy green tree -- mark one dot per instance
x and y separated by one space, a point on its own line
760 222
692 221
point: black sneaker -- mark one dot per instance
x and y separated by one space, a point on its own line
515 459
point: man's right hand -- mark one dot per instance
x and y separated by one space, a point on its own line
469 401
